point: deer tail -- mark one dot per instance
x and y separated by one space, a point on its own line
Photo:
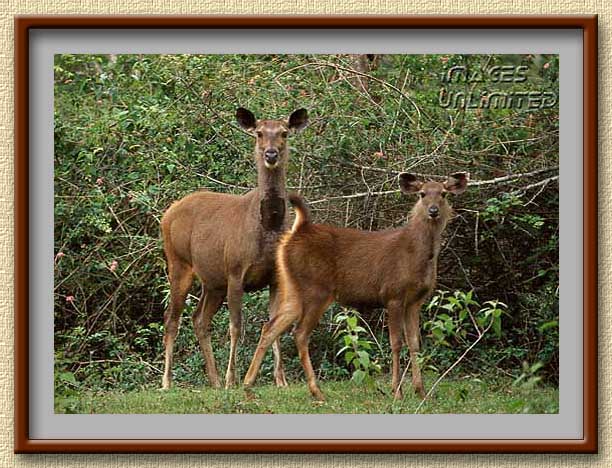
302 213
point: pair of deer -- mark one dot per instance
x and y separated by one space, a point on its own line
240 243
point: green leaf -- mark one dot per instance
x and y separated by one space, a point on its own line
364 358
364 344
68 377
340 318
536 367
358 376
351 321
497 327
545 326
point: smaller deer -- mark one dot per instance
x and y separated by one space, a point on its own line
394 268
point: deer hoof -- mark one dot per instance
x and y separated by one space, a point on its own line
214 383
281 382
249 394
317 395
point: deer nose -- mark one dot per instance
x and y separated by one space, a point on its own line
271 156
434 211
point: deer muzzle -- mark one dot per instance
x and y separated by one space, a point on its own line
271 157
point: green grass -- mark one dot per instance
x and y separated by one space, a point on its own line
466 395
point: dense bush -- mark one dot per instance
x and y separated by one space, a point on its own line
135 132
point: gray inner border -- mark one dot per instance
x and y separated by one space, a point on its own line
45 424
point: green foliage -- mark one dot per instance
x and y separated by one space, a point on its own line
497 208
133 133
492 314
529 378
453 318
356 348
454 323
450 317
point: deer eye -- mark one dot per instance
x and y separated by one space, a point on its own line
422 194
284 134
259 134
444 194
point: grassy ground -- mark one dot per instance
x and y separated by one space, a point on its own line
451 396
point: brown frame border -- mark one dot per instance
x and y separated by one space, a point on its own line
589 442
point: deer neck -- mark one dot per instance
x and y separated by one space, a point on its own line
272 195
272 183
425 237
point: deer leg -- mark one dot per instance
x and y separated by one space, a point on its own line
287 313
234 304
181 277
279 371
412 339
395 338
210 301
314 310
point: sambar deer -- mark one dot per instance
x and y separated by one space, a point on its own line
229 242
394 268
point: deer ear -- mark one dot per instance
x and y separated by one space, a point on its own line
246 119
409 183
298 119
457 182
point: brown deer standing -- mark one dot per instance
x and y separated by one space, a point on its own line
229 241
394 268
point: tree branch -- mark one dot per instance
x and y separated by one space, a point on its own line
511 177
473 183
542 183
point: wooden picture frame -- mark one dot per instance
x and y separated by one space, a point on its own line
25 444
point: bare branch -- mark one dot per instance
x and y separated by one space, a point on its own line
477 183
433 387
354 195
496 180
511 177
542 183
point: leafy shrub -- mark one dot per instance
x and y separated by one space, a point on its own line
356 348
456 321
133 133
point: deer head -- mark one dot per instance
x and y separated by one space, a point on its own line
271 135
